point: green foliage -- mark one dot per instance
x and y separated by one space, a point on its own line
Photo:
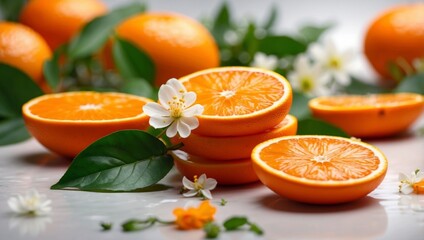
10 9
311 33
300 108
16 88
312 126
281 46
360 87
413 83
122 161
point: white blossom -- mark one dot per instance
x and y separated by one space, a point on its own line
201 186
335 63
261 60
32 203
307 77
175 109
406 185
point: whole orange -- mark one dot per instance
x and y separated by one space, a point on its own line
23 48
397 34
177 44
59 20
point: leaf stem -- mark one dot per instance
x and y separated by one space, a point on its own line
175 146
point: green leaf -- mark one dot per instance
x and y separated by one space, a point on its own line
133 225
106 226
300 108
256 229
359 87
312 126
13 130
122 161
234 223
140 87
51 68
221 24
414 84
16 88
94 34
212 230
310 33
281 46
132 62
10 10
272 17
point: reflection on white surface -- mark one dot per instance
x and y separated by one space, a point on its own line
413 202
28 225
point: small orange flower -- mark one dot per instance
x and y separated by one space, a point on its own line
194 218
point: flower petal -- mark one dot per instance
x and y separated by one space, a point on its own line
193 110
210 184
183 129
155 109
406 188
177 86
160 122
172 130
206 193
166 95
188 184
190 193
190 98
191 122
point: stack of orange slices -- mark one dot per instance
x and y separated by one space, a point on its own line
243 107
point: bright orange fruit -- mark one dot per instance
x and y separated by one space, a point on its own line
225 173
234 147
239 100
177 44
397 33
319 169
377 115
23 48
59 20
66 123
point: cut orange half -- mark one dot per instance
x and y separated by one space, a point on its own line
66 123
239 100
376 115
225 173
319 169
234 147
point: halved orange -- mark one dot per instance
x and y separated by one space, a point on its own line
66 123
225 173
375 115
239 100
319 169
234 147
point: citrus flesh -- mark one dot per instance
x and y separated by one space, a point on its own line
239 100
66 123
234 147
231 172
319 169
377 115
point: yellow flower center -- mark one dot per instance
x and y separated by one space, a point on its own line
306 84
335 62
197 185
176 107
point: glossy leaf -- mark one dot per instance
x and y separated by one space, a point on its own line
94 34
16 88
272 17
221 24
140 87
311 33
122 161
312 126
281 46
360 87
132 62
51 69
414 84
234 223
300 108
10 10
13 130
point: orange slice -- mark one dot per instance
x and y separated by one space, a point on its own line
225 173
66 123
319 169
375 115
234 147
239 100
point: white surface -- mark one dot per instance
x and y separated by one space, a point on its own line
383 214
